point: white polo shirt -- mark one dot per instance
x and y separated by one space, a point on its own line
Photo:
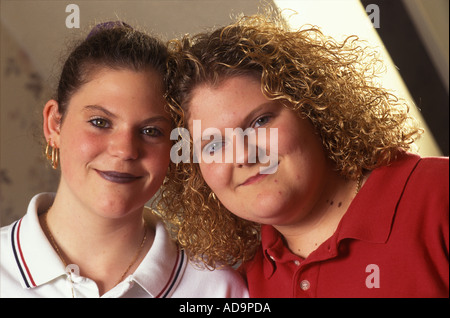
30 267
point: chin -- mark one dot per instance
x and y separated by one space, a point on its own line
276 208
115 209
264 214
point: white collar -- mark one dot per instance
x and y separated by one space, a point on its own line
158 274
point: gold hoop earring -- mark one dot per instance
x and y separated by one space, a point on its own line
54 155
47 149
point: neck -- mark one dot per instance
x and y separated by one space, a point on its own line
321 221
81 236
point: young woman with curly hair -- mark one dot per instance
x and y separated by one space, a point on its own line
347 210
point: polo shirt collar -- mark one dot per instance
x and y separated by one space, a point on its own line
369 217
274 249
371 214
36 259
162 268
158 274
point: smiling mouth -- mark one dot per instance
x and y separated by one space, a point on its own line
261 175
118 177
253 179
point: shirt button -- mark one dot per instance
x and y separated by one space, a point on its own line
297 263
304 284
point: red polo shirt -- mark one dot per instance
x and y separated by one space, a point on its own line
392 242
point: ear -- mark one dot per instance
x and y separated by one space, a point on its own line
52 122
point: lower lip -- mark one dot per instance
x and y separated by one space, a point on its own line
254 179
117 178
261 176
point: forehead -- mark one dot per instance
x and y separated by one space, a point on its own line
122 82
121 92
231 96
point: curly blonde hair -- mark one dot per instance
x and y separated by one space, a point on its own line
362 125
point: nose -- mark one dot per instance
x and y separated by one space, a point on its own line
246 150
254 148
124 145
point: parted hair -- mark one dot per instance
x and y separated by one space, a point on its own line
114 45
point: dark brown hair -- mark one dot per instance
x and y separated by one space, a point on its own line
113 45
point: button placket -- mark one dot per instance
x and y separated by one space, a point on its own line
305 280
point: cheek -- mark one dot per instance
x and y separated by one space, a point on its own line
297 136
79 149
75 156
215 175
158 160
288 142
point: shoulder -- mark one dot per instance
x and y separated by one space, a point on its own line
429 181
412 173
37 202
422 166
423 207
5 233
433 170
418 185
5 242
184 278
218 283
10 283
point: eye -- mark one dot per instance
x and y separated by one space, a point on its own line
152 132
99 123
261 121
212 147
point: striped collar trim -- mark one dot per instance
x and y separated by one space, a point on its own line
27 278
36 260
175 276
163 268
159 274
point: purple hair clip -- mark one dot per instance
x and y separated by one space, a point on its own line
107 25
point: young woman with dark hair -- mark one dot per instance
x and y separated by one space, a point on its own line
107 130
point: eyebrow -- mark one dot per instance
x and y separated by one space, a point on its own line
150 120
99 108
257 110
